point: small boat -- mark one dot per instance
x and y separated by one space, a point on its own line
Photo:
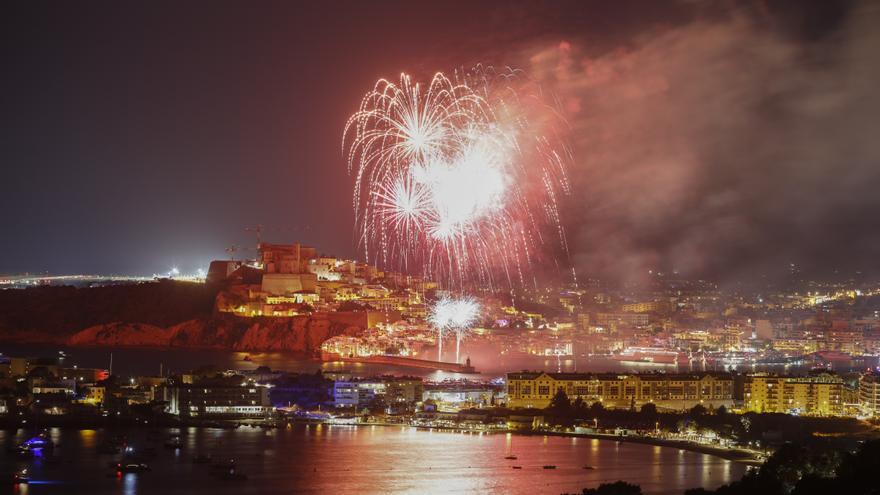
21 476
516 467
511 457
202 459
589 467
549 466
37 442
132 468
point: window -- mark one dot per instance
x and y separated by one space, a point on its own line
543 390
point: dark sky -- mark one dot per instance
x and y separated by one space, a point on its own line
143 135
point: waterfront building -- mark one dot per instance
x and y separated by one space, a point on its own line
815 395
666 391
94 395
395 391
53 386
217 397
454 396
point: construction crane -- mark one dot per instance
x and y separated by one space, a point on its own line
258 230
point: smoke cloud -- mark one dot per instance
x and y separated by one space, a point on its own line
723 148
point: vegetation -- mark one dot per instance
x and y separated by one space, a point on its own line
749 427
792 470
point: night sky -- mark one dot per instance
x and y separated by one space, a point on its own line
724 141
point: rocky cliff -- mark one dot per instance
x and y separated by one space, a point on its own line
157 314
296 334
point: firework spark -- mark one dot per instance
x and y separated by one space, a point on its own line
453 314
459 178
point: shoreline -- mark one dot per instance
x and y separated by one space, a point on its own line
731 454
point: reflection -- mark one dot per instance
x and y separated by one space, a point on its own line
129 484
378 459
87 438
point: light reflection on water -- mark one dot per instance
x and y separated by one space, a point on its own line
345 459
485 358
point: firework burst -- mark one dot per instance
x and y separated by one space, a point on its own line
453 314
459 178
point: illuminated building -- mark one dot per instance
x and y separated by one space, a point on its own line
795 346
869 395
280 258
94 395
616 319
667 391
52 386
233 397
394 391
455 396
817 395
641 307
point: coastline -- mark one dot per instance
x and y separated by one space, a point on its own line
743 456
732 454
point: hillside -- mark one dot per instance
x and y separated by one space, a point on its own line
157 314
52 314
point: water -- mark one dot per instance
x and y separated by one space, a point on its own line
146 361
358 460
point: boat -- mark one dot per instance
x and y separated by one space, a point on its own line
202 459
549 466
511 457
589 467
21 476
651 356
35 446
516 467
132 468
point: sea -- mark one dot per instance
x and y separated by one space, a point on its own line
342 459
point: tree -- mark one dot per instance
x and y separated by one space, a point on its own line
560 401
597 409
616 488
698 410
649 410
721 411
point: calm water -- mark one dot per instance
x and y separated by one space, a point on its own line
346 459
146 361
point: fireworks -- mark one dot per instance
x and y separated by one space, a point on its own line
453 314
458 178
